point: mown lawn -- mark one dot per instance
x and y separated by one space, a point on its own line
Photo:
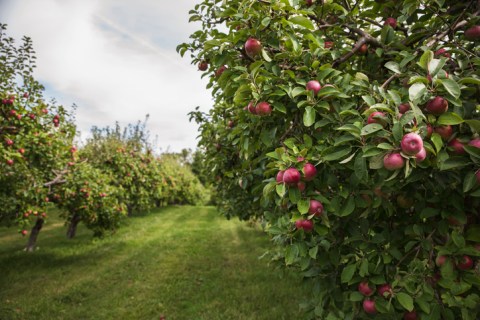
180 262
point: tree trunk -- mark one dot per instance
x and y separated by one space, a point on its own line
32 240
72 227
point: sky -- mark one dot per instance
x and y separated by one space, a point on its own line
116 60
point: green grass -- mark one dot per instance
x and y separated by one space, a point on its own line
180 262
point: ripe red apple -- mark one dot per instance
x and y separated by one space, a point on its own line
412 315
363 49
385 290
32 116
299 224
9 162
251 108
253 47
13 113
473 33
24 232
309 171
301 186
364 289
279 177
393 161
411 143
474 143
25 95
444 131
307 225
422 155
442 52
9 142
465 263
291 176
429 131
404 107
316 208
457 146
300 159
392 22
440 260
220 70
231 124
328 44
437 105
44 111
313 85
263 109
369 306
73 149
203 65
309 2
377 117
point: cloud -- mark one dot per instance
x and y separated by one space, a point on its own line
116 61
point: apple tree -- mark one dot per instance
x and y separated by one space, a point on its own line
351 128
35 140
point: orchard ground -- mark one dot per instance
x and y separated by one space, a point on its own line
180 262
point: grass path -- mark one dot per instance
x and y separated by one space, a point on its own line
181 262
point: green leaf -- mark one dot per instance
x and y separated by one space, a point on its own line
449 118
469 181
294 195
469 80
435 66
281 189
391 65
437 141
303 205
360 166
266 56
291 254
452 87
347 273
405 300
416 91
302 21
458 239
473 233
363 268
335 153
474 125
309 116
425 59
371 128
347 207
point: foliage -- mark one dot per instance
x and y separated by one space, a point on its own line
35 137
380 224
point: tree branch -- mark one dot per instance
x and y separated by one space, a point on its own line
386 83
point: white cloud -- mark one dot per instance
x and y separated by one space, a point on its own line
116 61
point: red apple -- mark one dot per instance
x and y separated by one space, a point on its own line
369 306
404 107
9 142
9 162
279 177
420 156
220 70
377 117
437 105
429 131
385 290
393 161
300 159
363 49
25 95
263 109
231 124
251 108
253 47
364 289
291 176
309 2
442 52
465 263
203 65
444 131
301 186
316 208
412 315
411 143
313 85
32 116
473 33
328 44
309 171
457 146
299 224
307 225
440 260
73 149
474 143
24 232
392 22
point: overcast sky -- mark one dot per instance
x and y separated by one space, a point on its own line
116 60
